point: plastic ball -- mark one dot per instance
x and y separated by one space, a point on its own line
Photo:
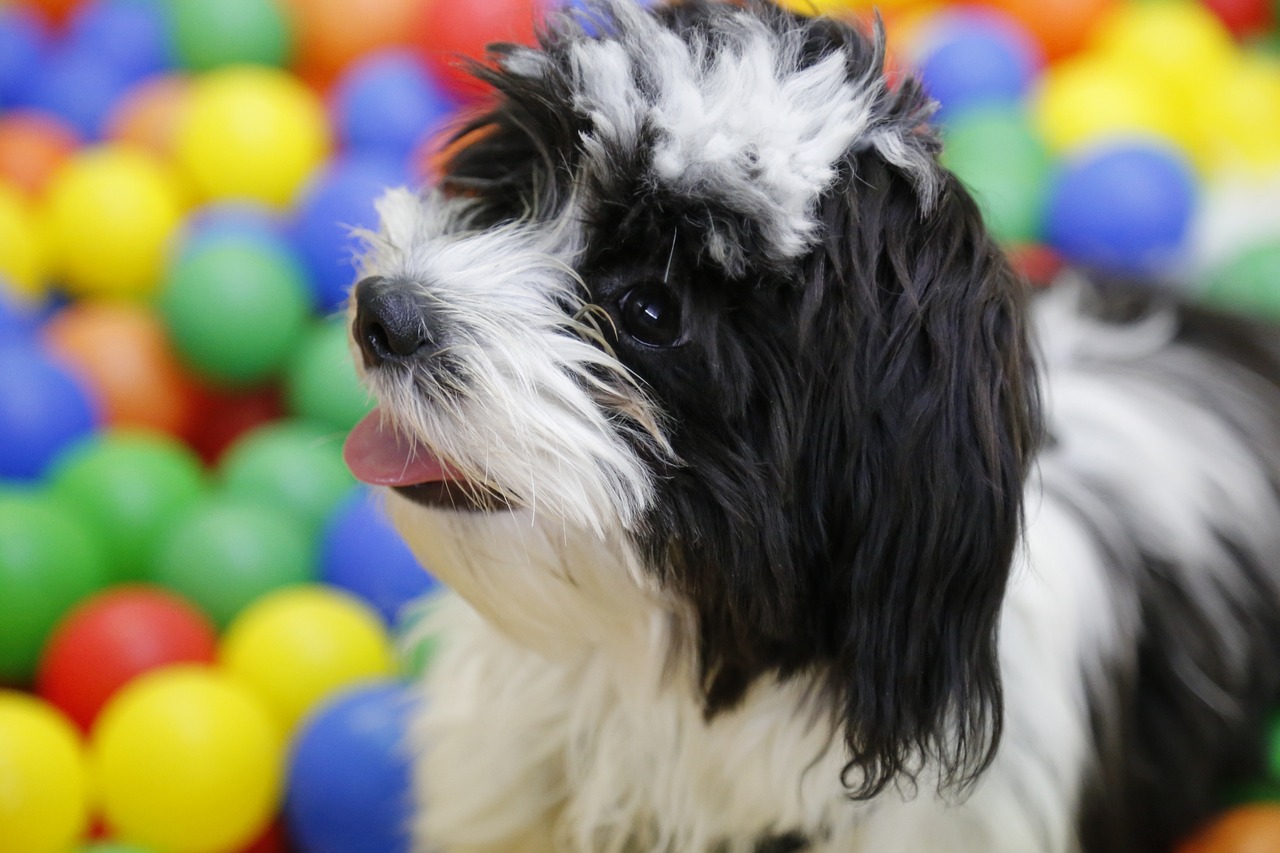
224 553
1000 158
1250 283
330 38
450 32
339 199
32 147
229 415
253 133
24 256
1089 98
77 86
1122 208
236 308
114 637
241 220
349 775
44 409
1245 829
211 35
114 847
362 553
187 760
49 562
23 41
298 646
976 58
109 214
1059 26
122 353
18 320
293 465
1236 121
44 788
148 115
1243 17
128 487
129 35
321 382
388 104
1175 41
55 10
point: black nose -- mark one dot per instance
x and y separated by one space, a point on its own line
391 323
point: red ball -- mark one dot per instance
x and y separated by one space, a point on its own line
1243 17
224 416
114 637
450 31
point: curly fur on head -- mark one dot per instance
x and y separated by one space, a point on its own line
755 391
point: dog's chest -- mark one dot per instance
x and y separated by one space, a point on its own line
617 759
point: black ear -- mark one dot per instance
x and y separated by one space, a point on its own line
923 438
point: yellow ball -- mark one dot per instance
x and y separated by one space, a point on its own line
43 782
23 257
187 760
297 646
109 215
1087 98
251 133
1175 41
1238 118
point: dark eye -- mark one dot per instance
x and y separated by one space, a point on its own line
651 315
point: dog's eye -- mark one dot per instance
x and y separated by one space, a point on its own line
651 315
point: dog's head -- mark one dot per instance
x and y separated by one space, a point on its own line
698 280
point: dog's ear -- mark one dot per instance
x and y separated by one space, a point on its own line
921 442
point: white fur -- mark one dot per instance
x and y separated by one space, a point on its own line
554 724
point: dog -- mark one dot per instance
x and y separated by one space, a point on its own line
777 514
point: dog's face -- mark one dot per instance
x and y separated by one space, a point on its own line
698 285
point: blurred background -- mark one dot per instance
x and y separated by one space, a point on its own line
207 629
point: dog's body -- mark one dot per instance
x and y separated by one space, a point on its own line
723 427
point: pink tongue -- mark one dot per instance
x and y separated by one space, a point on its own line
384 457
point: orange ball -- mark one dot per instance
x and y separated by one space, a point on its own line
55 10
32 147
122 351
332 33
1060 26
148 115
1253 828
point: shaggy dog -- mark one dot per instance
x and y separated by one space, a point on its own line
776 515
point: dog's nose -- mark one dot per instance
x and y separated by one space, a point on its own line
390 323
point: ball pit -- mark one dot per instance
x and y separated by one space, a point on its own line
187 759
282 119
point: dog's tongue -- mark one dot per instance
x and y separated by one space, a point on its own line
383 457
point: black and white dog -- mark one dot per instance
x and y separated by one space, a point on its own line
777 515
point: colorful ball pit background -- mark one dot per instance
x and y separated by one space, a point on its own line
178 184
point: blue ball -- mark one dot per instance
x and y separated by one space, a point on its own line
387 104
17 319
239 220
362 553
1122 208
43 410
78 86
22 45
129 35
978 57
340 198
349 783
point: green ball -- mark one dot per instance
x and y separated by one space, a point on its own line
224 553
294 465
321 381
997 154
1249 282
236 307
211 34
49 562
128 487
